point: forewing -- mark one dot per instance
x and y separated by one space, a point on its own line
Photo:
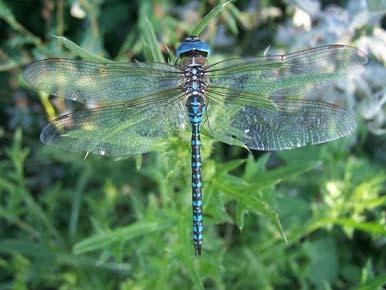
277 124
120 129
293 74
102 83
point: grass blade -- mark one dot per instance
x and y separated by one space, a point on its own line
213 13
150 42
81 52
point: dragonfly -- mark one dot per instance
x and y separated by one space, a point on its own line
257 103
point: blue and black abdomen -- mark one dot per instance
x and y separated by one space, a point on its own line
196 109
195 88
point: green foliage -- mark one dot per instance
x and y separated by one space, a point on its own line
211 15
310 218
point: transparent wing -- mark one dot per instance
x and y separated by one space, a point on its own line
275 124
101 83
293 74
123 128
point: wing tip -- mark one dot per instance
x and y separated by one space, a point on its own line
44 136
358 54
362 56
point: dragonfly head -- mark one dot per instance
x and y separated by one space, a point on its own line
192 45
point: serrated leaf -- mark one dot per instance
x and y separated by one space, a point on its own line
249 201
261 163
253 167
249 168
230 183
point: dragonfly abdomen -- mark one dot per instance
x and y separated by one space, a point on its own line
195 85
196 109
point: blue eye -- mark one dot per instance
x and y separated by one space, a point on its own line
194 44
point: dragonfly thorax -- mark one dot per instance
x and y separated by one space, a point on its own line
195 81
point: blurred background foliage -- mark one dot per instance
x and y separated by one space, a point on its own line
311 218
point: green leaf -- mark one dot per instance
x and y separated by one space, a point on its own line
212 14
230 184
261 163
18 154
317 223
5 12
25 247
77 201
103 240
373 184
138 161
373 284
7 15
231 22
379 229
293 210
273 177
247 194
171 54
240 213
324 265
249 201
186 251
150 42
79 51
228 166
253 167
